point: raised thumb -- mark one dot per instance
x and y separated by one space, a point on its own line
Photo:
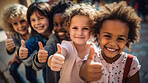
41 46
59 49
22 43
8 36
91 54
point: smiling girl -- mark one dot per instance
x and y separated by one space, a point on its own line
117 26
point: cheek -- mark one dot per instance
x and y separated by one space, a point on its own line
15 28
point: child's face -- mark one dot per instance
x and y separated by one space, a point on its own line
57 23
39 23
113 37
20 25
80 29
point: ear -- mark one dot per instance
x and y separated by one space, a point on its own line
98 36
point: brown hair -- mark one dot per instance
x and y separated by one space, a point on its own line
123 13
43 9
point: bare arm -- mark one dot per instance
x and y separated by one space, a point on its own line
134 78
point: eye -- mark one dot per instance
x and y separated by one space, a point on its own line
107 36
32 20
41 18
15 23
22 21
74 28
121 39
86 28
55 24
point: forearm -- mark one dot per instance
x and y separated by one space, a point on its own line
10 52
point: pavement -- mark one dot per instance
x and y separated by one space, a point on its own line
139 49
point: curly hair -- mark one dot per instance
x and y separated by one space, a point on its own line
10 13
79 9
61 6
43 8
123 13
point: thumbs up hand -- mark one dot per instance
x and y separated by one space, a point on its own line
23 51
10 45
90 70
56 61
42 54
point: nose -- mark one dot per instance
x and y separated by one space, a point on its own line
37 21
112 43
60 26
20 25
80 32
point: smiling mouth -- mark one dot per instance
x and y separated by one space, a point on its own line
40 27
23 29
111 49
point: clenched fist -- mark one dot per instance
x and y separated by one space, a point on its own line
23 51
90 70
56 61
42 54
10 45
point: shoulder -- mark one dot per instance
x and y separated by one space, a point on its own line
135 66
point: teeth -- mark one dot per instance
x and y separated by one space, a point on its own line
111 49
39 27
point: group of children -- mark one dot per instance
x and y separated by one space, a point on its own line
59 40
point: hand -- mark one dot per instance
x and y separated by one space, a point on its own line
42 54
56 61
23 51
14 59
90 70
9 43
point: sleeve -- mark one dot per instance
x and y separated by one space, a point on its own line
135 66
51 48
31 45
68 46
37 65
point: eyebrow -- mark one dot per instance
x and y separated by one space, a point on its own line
118 35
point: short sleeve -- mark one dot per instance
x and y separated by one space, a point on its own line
135 66
67 45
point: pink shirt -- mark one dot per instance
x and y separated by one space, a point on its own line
70 69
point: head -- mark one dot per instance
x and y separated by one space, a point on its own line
39 18
116 27
57 12
14 19
78 21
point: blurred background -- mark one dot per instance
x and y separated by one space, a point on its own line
139 49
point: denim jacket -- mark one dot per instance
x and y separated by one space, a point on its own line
32 46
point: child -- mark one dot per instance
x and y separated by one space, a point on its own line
15 23
39 61
78 21
38 16
116 27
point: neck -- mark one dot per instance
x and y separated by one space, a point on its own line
82 50
25 36
46 34
110 60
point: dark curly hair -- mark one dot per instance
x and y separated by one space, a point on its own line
123 13
43 9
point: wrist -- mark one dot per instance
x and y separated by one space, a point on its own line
49 60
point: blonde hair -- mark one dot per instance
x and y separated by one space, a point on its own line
10 13
79 9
